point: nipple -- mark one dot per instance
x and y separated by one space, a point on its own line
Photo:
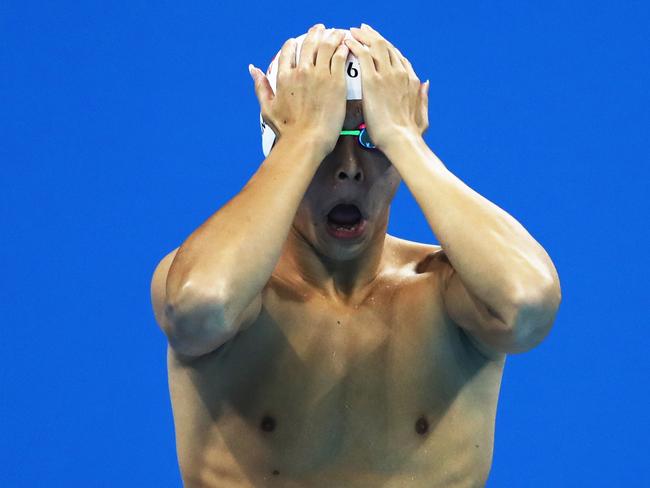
268 423
421 425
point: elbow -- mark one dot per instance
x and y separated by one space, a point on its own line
534 317
197 321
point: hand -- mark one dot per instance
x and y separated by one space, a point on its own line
310 98
395 103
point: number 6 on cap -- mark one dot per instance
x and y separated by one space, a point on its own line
352 78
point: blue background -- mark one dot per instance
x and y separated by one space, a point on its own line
125 125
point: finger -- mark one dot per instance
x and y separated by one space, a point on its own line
287 56
393 52
402 59
376 43
309 47
424 93
406 63
395 60
328 45
363 55
339 61
424 107
263 89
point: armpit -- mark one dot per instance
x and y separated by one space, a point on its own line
435 258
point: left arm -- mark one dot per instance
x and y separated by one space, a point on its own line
503 288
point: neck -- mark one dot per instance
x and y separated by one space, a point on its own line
337 279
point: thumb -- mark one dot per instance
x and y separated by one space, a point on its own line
263 89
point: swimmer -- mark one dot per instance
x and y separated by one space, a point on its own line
307 347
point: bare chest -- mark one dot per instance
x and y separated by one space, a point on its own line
387 384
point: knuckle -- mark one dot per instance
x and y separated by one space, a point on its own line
370 79
319 74
331 41
307 44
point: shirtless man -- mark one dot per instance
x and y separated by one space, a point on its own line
305 356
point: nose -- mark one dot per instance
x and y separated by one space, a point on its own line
348 165
354 173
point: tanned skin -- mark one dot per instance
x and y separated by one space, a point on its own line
298 359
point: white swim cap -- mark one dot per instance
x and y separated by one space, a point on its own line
352 78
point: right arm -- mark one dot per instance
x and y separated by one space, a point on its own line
212 285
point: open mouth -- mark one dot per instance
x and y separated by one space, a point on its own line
345 221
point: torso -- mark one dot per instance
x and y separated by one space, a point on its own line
386 392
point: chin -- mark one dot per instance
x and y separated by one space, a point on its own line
341 249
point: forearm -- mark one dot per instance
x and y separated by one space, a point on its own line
231 256
496 258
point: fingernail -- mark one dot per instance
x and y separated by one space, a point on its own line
250 69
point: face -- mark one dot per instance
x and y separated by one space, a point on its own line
352 175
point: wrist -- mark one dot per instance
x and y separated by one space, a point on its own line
399 140
309 147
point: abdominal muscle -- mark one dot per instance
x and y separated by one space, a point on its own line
386 393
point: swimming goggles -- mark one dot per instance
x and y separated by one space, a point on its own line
364 138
